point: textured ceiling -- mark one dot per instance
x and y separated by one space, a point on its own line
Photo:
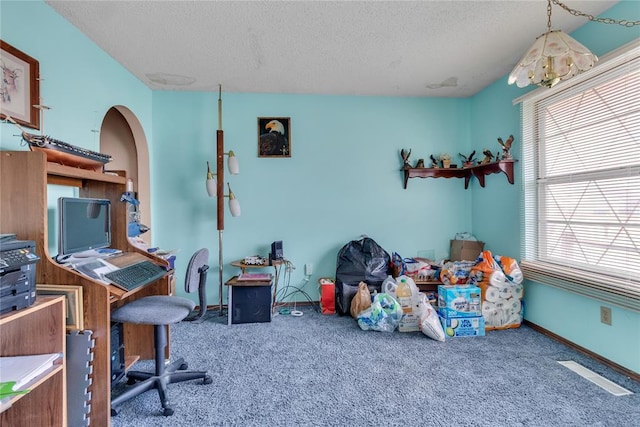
390 48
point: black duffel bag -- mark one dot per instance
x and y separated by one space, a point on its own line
359 261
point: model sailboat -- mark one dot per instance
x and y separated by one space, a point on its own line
62 152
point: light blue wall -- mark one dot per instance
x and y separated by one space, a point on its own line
497 212
343 179
80 83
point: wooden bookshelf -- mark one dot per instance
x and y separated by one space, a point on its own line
23 334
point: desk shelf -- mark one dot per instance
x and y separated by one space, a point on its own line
479 171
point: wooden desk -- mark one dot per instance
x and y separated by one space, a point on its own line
25 176
99 300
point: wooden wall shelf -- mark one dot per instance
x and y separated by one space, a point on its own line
479 171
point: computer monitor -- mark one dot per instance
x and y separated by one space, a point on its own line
84 224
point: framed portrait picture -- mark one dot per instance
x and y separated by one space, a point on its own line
73 306
20 86
274 136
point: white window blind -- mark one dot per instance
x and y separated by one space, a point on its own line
581 178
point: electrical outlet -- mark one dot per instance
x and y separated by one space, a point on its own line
308 269
605 315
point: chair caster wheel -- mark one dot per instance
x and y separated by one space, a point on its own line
207 380
113 412
131 381
167 412
183 367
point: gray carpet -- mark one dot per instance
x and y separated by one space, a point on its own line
320 370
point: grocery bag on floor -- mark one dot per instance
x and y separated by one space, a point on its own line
429 321
359 261
361 301
383 315
502 293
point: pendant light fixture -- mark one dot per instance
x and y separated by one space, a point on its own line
556 56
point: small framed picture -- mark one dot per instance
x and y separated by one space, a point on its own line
274 136
73 306
20 86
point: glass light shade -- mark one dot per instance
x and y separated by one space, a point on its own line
234 204
234 207
211 186
554 56
232 163
210 183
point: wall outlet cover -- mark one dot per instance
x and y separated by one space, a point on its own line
605 315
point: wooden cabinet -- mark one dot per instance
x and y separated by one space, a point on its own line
22 334
23 211
275 264
479 171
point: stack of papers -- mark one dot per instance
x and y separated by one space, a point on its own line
25 369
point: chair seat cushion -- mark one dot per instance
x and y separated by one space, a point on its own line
154 310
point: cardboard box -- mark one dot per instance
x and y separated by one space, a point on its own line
409 323
465 250
463 326
459 301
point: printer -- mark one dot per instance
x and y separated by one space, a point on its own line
17 274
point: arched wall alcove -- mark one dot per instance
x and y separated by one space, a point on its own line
122 136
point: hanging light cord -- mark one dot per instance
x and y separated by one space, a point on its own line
623 22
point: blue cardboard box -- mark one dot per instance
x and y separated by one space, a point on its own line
463 326
459 301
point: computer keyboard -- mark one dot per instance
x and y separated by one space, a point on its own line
136 275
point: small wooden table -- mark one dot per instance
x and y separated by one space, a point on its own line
275 264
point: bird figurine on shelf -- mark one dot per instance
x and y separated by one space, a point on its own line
420 163
506 147
487 157
405 158
434 162
469 160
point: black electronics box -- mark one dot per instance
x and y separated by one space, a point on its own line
276 252
250 304
117 353
17 274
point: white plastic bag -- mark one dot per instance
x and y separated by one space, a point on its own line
429 321
383 315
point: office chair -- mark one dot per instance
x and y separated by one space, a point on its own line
160 311
196 279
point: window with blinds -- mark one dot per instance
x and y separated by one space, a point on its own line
581 169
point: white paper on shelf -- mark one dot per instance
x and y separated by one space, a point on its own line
24 369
